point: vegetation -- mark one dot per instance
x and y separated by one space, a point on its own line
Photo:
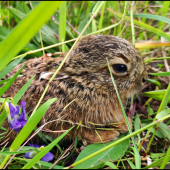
27 31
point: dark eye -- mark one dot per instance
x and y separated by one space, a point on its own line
119 68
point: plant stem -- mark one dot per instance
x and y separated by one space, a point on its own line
132 24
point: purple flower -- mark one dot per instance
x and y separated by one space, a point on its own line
48 157
16 120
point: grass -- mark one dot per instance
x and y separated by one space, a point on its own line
134 21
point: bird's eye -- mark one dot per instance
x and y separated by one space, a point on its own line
119 68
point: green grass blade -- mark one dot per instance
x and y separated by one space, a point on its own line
158 94
10 67
94 26
132 24
163 113
155 17
21 92
37 157
114 5
143 25
165 10
130 163
160 74
101 16
162 107
165 99
155 82
166 159
31 124
25 30
48 165
108 163
12 153
62 23
143 20
154 164
5 87
3 116
3 81
97 7
78 17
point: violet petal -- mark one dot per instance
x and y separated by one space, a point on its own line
14 110
15 125
48 157
29 155
34 145
23 112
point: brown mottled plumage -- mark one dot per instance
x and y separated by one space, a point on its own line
84 85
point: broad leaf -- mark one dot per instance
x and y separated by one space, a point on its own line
158 94
113 153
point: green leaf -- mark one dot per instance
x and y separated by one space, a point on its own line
98 166
113 153
3 81
158 94
154 164
164 130
31 124
22 5
25 30
21 92
158 132
166 159
101 16
83 24
94 27
45 150
10 67
130 163
97 7
163 113
137 122
12 153
5 87
164 101
17 14
156 155
108 163
160 74
3 116
150 110
155 82
4 32
48 165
